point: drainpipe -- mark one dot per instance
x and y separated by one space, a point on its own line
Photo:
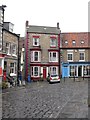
59 48
26 55
59 54
18 62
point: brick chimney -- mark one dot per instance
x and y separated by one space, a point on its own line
57 25
27 23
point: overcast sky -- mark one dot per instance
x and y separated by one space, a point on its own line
72 15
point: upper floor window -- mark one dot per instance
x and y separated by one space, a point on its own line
14 49
73 42
53 42
35 41
35 56
66 42
53 56
70 56
82 41
82 56
8 48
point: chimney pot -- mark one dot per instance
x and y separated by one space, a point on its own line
27 23
57 25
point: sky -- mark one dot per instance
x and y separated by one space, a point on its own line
72 15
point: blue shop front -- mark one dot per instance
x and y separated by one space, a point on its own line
77 69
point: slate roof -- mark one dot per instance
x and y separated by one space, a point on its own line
43 29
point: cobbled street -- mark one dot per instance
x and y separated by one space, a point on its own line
43 100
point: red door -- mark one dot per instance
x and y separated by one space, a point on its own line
44 72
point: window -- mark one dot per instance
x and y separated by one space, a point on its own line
72 70
53 56
14 49
53 42
35 41
82 41
35 71
82 56
35 56
13 68
66 42
70 56
73 42
8 48
53 70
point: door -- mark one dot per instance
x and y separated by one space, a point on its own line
80 71
44 72
65 71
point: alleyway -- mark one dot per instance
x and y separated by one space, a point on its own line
43 100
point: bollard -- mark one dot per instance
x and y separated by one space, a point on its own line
74 78
64 79
83 77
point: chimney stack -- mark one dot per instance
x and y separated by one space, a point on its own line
27 23
57 25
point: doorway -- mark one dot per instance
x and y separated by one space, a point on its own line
79 70
44 72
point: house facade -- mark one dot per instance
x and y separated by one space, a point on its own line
10 48
75 55
21 53
42 51
2 54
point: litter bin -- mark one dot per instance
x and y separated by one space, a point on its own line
29 78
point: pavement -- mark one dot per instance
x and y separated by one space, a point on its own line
67 99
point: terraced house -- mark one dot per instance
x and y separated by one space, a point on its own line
10 48
75 50
42 50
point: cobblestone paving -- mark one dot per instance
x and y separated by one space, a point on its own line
43 100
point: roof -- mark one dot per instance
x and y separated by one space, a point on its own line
17 35
43 29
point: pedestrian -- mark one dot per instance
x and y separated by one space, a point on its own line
20 78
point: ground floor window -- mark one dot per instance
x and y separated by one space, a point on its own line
79 70
72 71
53 70
35 71
86 70
13 67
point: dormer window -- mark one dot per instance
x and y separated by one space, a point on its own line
66 42
82 41
73 42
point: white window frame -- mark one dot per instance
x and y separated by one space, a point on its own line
33 71
33 56
53 42
51 58
67 56
8 48
14 49
84 56
37 40
13 68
